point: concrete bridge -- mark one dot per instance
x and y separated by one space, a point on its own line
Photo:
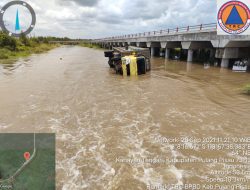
191 38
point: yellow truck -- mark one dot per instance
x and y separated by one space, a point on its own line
131 62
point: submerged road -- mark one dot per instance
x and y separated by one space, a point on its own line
113 132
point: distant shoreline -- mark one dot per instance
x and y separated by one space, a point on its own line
89 45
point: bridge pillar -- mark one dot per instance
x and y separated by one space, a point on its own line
189 67
163 44
225 54
142 44
190 55
167 50
224 63
152 51
211 53
167 53
187 45
154 47
132 43
125 44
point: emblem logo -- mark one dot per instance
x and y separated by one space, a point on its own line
233 18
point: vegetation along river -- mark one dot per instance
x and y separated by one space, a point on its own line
103 121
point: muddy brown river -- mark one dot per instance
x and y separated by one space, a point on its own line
125 133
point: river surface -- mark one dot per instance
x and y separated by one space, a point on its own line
102 119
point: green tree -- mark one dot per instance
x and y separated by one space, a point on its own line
7 41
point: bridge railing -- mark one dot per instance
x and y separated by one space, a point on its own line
194 28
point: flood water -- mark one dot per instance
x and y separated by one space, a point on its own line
100 117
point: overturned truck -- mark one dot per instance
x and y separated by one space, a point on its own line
129 62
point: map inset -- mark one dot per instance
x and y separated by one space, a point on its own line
27 161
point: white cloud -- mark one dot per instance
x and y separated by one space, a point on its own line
99 18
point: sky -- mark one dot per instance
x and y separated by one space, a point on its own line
105 18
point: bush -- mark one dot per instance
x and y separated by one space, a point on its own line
25 41
7 41
247 89
11 47
4 54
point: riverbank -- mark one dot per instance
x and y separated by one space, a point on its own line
13 48
25 51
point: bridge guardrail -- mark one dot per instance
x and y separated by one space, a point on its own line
177 30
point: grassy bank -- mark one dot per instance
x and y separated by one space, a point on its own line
5 53
89 45
11 48
246 89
